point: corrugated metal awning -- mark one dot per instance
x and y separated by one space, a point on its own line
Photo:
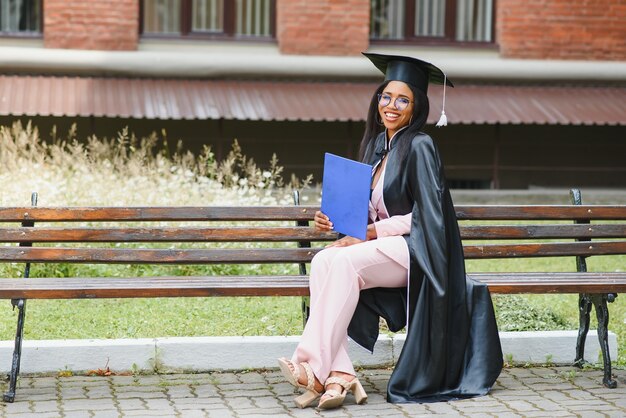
298 101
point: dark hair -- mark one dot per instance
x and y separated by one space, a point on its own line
373 128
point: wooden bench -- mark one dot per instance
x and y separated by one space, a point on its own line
86 234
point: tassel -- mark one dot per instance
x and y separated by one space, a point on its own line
443 120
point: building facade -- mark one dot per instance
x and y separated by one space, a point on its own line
539 97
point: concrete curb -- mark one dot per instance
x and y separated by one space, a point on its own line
198 354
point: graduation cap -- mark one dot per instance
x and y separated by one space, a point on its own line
413 71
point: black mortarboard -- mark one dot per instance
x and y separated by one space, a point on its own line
412 71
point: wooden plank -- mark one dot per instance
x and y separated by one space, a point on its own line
544 249
589 282
579 231
156 256
297 285
173 213
150 287
226 213
165 234
541 212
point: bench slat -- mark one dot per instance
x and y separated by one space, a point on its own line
165 234
544 249
283 234
149 287
224 213
541 212
588 282
156 256
280 255
580 231
179 213
285 285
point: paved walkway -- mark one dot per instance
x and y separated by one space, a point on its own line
531 392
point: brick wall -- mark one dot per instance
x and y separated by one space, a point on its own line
322 27
562 29
94 24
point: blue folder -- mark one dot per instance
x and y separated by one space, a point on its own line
346 194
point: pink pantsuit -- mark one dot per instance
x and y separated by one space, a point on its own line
337 276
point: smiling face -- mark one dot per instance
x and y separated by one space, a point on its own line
393 97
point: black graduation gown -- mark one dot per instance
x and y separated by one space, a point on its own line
452 349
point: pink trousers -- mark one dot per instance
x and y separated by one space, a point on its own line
337 276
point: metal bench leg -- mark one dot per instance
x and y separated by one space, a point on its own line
306 300
9 396
584 308
602 313
306 309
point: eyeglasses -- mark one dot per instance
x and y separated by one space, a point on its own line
400 103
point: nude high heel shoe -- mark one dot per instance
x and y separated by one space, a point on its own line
292 377
334 399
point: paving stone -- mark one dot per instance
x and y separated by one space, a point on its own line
102 381
17 407
77 414
538 414
252 378
340 412
151 413
195 414
157 403
225 378
265 413
190 404
42 382
240 403
266 402
242 386
441 408
225 413
479 415
180 392
521 406
45 406
124 380
38 415
303 413
130 404
284 389
547 405
140 394
73 393
87 404
114 413
375 398
100 394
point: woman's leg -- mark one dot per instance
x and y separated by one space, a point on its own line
337 277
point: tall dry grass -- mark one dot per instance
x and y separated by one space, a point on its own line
127 170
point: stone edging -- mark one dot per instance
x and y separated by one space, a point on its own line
197 354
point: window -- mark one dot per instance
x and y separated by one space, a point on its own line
20 17
198 18
433 20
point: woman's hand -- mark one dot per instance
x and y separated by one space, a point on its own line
345 242
322 223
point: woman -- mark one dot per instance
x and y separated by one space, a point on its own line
410 270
